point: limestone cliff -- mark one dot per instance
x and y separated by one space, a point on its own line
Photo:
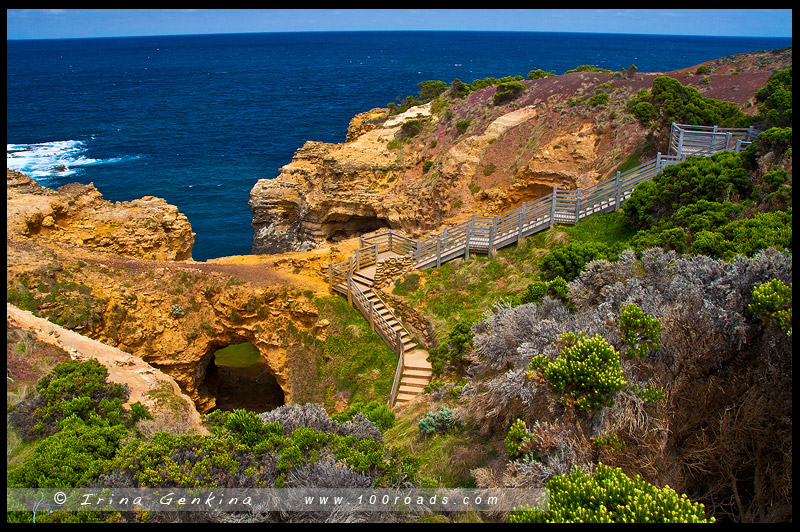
147 228
471 156
99 269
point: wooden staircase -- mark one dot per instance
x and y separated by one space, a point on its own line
416 372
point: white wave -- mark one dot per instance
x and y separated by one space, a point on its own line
53 159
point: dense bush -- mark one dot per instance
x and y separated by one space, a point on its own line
450 352
507 91
428 90
568 261
718 178
610 496
518 440
71 388
441 421
377 412
684 105
557 288
462 126
73 457
772 301
539 74
639 332
644 111
775 100
587 68
411 128
587 373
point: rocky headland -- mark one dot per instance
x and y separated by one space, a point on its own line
472 156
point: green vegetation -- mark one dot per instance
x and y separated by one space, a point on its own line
587 373
772 301
351 358
639 332
451 351
375 411
507 91
539 74
519 441
440 421
610 496
586 68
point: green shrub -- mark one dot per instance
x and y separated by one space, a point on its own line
775 100
377 412
557 289
518 440
451 351
718 178
640 332
610 496
507 92
539 74
587 68
587 374
430 89
71 388
440 421
569 260
601 98
412 127
462 126
427 165
459 89
684 105
71 458
772 301
644 111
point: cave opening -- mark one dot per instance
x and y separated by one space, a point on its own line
342 228
240 378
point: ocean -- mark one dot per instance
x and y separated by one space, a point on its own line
198 119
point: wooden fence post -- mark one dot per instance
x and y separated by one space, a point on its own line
521 221
553 207
466 241
619 191
578 206
492 235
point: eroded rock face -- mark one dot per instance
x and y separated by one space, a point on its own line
100 269
471 156
148 227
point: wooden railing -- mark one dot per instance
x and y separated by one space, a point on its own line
483 234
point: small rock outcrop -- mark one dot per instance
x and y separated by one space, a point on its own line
146 228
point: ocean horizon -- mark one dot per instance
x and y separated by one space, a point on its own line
198 119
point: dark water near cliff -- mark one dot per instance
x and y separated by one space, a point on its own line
198 119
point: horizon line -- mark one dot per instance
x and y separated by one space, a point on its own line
394 31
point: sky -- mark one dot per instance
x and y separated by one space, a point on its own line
81 23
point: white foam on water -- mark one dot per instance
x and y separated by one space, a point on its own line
53 159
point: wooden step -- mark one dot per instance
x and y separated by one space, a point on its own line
403 398
421 373
414 382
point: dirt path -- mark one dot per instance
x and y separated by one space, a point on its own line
123 368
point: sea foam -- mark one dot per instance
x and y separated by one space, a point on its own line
53 159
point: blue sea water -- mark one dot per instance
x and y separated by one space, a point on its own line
199 119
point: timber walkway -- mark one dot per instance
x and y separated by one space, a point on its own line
484 234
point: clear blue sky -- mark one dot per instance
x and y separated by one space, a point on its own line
69 23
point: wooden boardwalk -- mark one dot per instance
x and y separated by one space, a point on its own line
482 234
